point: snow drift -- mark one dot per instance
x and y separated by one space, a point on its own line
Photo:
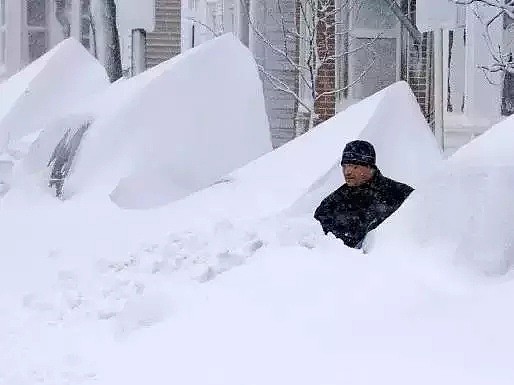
270 301
104 106
463 213
406 148
273 182
179 128
297 182
47 89
300 173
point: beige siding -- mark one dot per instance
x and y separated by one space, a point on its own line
164 42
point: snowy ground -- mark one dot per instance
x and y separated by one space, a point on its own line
267 301
98 295
236 284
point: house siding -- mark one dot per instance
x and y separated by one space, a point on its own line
281 106
416 67
164 42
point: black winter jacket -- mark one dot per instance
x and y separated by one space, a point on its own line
351 212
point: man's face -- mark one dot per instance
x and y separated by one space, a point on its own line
356 175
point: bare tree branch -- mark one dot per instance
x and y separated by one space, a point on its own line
505 5
501 61
406 22
207 27
354 82
284 87
312 29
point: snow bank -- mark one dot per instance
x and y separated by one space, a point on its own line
463 214
272 183
104 106
179 128
299 174
34 151
406 148
47 89
322 315
270 301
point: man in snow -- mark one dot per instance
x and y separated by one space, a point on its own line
364 201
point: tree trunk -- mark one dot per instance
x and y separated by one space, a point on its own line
103 13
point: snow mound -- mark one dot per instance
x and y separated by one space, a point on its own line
302 172
272 300
104 106
463 213
272 183
406 148
311 310
47 89
177 129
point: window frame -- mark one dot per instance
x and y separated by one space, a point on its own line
35 28
345 63
3 32
85 18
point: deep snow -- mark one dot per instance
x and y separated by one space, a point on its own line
237 284
470 223
48 88
164 134
175 132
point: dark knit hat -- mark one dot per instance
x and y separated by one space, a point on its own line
359 152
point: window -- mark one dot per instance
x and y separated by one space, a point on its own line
215 17
211 16
374 45
85 24
3 32
229 16
375 64
63 13
37 33
375 15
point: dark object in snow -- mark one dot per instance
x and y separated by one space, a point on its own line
63 155
103 21
507 107
361 205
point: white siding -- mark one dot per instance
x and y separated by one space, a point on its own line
280 106
164 42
